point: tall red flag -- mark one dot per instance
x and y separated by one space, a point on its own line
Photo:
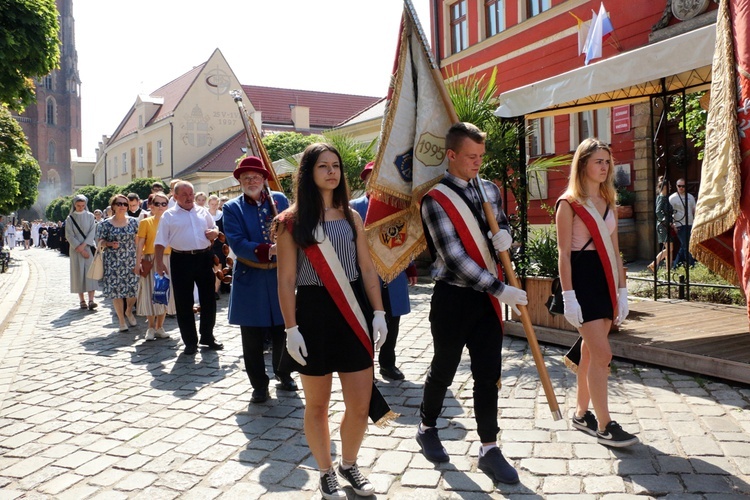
721 233
411 151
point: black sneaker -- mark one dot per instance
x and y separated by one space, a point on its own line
360 484
329 486
431 446
613 435
493 464
587 423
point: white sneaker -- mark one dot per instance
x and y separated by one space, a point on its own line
150 334
161 334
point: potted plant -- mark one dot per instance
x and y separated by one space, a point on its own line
625 202
538 268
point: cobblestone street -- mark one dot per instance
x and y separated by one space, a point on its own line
88 412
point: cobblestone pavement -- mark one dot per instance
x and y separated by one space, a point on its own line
88 412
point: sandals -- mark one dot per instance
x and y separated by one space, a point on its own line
92 305
83 305
650 267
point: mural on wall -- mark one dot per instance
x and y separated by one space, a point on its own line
218 81
196 129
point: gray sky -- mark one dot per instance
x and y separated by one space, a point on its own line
133 47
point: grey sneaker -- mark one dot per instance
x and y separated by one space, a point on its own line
613 435
587 423
360 484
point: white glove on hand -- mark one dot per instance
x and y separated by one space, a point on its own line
513 297
622 306
295 345
572 309
379 329
502 240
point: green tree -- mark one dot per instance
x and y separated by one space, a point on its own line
19 171
29 46
694 124
287 144
101 200
59 208
89 192
141 187
354 154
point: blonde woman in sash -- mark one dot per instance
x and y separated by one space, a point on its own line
144 247
593 282
319 348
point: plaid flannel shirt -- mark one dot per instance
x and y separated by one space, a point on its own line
452 264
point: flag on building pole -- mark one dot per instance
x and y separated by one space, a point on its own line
601 28
411 151
720 237
583 30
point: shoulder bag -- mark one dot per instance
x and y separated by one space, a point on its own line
96 271
92 248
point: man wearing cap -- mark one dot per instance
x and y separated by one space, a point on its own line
189 230
395 296
254 299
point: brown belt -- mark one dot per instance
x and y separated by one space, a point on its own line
192 252
257 265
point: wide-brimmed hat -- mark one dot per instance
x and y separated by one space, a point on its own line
251 163
366 171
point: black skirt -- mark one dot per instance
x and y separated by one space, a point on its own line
590 285
332 346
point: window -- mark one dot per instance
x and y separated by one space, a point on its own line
140 121
541 137
140 158
48 82
124 163
591 123
51 152
459 27
115 171
495 16
536 7
159 157
50 119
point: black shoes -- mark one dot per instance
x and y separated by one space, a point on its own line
432 448
287 384
493 464
329 486
587 423
190 349
259 396
360 484
213 345
391 372
614 436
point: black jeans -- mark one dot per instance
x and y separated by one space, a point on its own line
187 270
252 352
464 317
387 353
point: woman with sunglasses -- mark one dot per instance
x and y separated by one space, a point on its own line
144 251
117 234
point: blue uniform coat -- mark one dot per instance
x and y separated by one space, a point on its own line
254 299
398 289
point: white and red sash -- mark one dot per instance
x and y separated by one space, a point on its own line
602 243
469 233
328 267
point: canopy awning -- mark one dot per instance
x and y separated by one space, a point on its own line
684 61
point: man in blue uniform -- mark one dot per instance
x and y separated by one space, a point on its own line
254 299
395 301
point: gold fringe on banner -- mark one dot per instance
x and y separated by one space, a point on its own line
386 419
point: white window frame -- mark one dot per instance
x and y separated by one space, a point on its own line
602 118
140 157
114 167
159 153
544 127
124 163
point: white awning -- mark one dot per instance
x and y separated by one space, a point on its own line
683 60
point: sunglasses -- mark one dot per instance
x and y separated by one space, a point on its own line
120 204
160 204
680 185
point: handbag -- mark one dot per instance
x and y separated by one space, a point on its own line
161 289
96 270
146 266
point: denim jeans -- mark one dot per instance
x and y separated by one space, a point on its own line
683 255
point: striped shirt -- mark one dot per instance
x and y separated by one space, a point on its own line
340 234
452 264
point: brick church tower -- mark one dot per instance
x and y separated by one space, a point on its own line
53 125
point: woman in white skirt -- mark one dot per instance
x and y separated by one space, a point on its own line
144 247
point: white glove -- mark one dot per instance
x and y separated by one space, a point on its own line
379 329
513 297
502 240
572 309
622 306
295 345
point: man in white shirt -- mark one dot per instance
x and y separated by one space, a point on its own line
189 230
683 213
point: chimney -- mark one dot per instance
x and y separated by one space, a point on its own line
300 117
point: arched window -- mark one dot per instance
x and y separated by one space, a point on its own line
53 178
51 111
48 82
51 152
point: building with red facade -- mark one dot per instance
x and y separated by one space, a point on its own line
660 49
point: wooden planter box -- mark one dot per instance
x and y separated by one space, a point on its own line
538 290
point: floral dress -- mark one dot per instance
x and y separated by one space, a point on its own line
119 280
